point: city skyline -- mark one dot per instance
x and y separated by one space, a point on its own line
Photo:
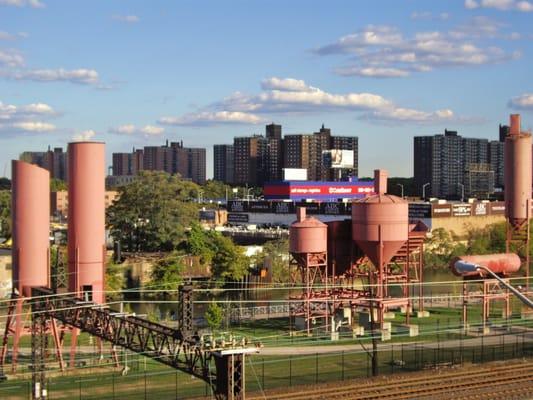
135 75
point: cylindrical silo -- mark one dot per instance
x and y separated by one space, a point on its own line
518 169
30 191
307 235
86 219
380 223
503 264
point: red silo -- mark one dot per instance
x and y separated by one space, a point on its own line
307 234
503 264
86 219
30 191
518 170
380 223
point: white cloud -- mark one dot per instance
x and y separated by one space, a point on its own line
26 118
410 115
211 118
503 5
524 102
384 52
33 126
84 136
373 72
278 98
12 36
286 84
132 19
130 129
14 113
23 3
429 16
82 76
11 58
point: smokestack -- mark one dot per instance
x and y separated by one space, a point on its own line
300 214
380 181
514 129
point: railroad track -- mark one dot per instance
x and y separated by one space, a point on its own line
511 381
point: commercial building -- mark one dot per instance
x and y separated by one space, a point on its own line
55 161
172 158
258 159
453 167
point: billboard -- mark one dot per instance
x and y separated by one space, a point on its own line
298 190
294 174
336 158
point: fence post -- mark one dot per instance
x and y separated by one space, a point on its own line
342 377
263 373
79 385
176 386
113 384
290 370
482 347
145 392
392 358
316 368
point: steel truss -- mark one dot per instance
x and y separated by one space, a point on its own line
177 348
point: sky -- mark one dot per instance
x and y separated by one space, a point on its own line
136 73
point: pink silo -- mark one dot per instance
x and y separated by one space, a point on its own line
307 234
518 173
380 223
31 226
86 219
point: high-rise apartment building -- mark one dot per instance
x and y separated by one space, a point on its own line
449 165
249 160
258 159
55 161
173 158
223 157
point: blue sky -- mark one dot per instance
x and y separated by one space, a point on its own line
134 73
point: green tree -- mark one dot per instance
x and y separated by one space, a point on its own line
167 272
57 185
276 253
229 262
5 214
201 243
5 184
153 212
213 316
115 280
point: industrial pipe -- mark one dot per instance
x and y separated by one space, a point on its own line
466 268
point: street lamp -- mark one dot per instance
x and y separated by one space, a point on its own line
248 193
462 191
401 186
424 190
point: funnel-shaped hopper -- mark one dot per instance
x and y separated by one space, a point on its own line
380 226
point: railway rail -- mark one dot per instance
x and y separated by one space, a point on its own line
510 381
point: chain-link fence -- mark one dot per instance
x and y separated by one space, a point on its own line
148 380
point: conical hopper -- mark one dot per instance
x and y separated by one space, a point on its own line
380 221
